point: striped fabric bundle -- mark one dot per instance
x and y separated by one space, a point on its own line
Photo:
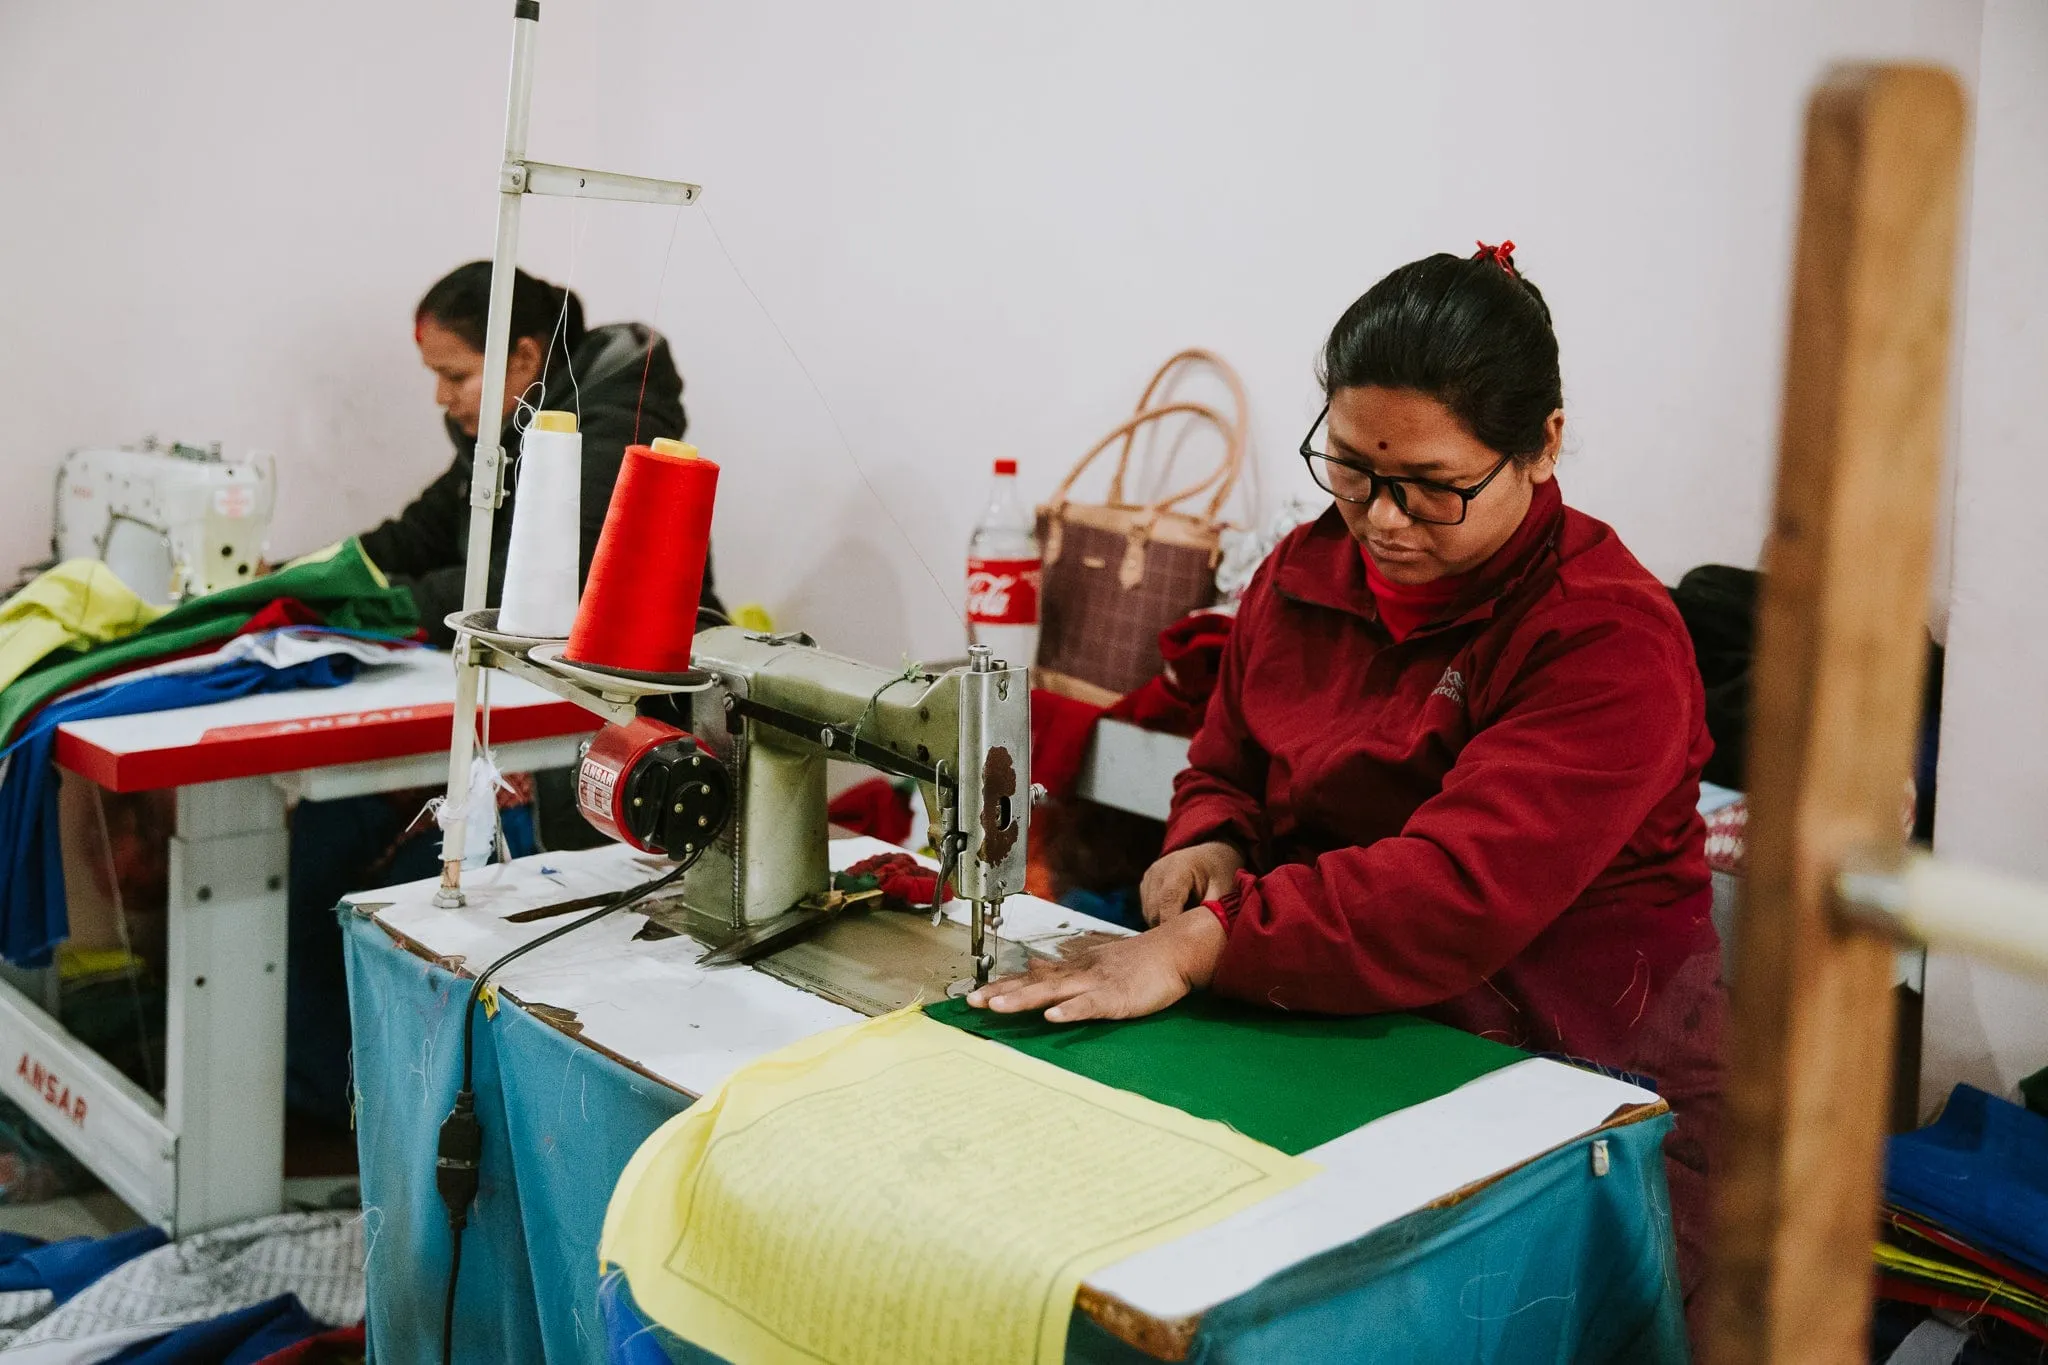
1965 1232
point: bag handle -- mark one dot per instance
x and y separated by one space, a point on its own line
1125 431
1237 435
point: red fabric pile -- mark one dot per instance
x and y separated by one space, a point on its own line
903 881
877 808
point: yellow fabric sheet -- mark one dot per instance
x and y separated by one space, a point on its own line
899 1191
74 605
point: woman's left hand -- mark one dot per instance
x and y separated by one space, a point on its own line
1121 979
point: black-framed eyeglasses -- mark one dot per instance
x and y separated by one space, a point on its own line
1424 500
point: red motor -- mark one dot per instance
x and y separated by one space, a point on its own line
649 785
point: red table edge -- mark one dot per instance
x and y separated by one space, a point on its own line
219 760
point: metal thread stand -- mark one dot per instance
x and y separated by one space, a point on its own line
517 178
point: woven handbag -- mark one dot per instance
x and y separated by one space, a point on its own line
1117 573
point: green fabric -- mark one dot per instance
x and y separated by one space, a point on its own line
77 604
340 583
1291 1081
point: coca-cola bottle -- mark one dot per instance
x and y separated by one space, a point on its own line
1002 574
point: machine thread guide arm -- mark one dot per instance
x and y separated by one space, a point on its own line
517 178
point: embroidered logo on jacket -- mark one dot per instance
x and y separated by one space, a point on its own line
1452 685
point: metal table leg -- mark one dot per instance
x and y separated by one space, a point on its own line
224 1090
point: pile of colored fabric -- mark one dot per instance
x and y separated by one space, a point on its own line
1965 1233
285 1288
34 915
76 644
337 586
1062 727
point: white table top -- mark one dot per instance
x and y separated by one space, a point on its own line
395 710
690 1027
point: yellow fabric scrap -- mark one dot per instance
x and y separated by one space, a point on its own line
753 616
898 1191
1984 1282
488 998
75 964
75 605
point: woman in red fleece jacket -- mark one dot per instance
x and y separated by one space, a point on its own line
1452 761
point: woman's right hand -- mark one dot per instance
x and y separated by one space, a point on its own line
1188 878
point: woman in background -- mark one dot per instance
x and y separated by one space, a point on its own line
622 382
619 379
1452 761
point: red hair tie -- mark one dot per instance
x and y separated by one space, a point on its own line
1502 255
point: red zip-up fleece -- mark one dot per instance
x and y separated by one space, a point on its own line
1492 823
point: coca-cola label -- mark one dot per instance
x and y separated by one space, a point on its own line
1002 592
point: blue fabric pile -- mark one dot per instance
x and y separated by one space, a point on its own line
283 1290
262 1332
33 915
61 1269
1964 1255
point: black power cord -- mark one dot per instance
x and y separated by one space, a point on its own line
462 1138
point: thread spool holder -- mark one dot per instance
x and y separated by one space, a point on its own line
615 705
517 178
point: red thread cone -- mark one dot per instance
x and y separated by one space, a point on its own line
639 607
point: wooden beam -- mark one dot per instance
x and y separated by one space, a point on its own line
1841 644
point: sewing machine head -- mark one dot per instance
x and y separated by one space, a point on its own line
171 522
780 707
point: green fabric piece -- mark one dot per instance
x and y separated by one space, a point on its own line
1291 1081
340 583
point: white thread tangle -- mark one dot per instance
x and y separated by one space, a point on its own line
541 569
480 830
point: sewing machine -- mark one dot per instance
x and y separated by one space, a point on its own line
775 709
171 521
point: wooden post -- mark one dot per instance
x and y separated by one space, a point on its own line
1841 645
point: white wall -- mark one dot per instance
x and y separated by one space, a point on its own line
978 226
1983 1025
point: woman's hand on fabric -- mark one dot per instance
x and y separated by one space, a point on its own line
1120 979
1187 878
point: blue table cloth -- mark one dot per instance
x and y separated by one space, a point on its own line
1550 1263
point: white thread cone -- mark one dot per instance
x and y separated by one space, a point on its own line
541 563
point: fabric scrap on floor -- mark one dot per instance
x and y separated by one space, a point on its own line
246 1336
87 1350
63 1269
315 1257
